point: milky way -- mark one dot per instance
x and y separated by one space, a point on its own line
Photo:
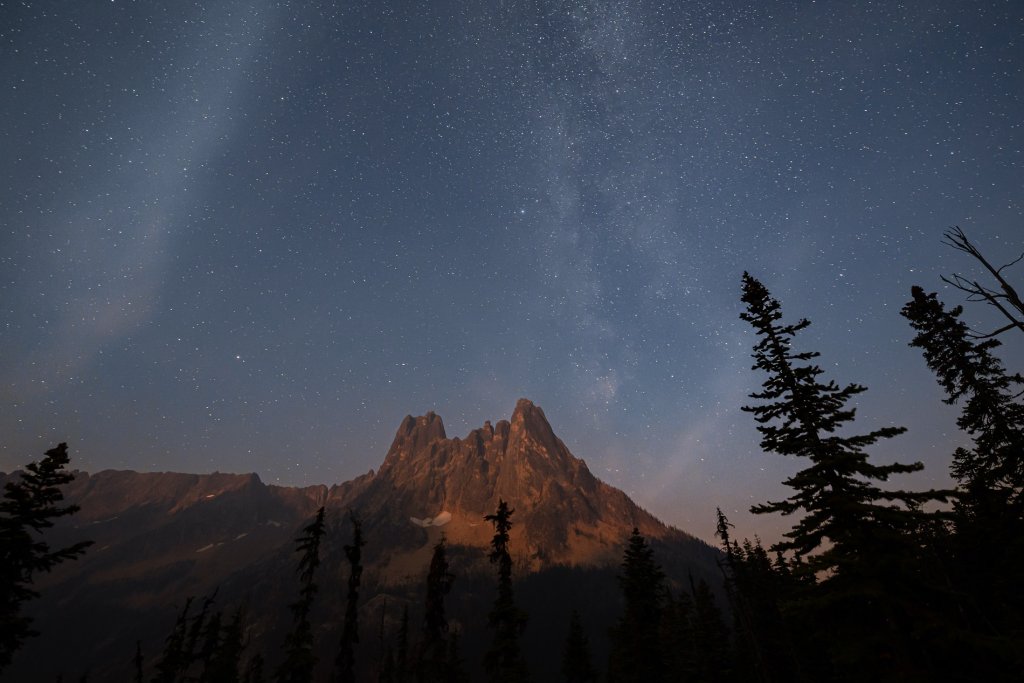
253 236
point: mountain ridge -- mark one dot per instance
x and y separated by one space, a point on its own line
564 514
163 536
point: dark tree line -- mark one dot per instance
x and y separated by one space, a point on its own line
874 582
205 647
663 636
202 648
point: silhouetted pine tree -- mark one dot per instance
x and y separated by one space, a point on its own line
433 664
211 642
577 666
504 661
29 507
857 535
676 637
984 558
799 417
300 660
749 637
173 661
191 651
137 661
455 670
199 648
714 660
992 471
222 666
344 663
755 588
636 645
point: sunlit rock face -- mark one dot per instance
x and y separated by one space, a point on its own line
563 514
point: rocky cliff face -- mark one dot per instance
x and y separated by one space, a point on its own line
564 515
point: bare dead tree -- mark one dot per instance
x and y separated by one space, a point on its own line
1005 299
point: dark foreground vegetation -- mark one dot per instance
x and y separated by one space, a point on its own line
872 583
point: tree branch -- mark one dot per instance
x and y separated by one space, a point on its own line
957 239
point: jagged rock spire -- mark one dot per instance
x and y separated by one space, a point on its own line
566 514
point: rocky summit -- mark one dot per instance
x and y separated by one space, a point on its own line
564 515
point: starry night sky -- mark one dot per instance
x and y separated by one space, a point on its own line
252 236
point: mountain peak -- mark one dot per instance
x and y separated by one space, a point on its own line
524 404
564 513
428 427
529 423
415 434
526 410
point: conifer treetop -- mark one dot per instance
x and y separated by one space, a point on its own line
799 415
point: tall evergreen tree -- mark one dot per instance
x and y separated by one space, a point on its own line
636 646
714 658
299 660
193 642
455 671
984 558
29 506
344 663
864 540
577 666
224 663
173 661
843 512
756 589
676 638
433 664
504 661
749 637
210 647
992 411
137 661
200 641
